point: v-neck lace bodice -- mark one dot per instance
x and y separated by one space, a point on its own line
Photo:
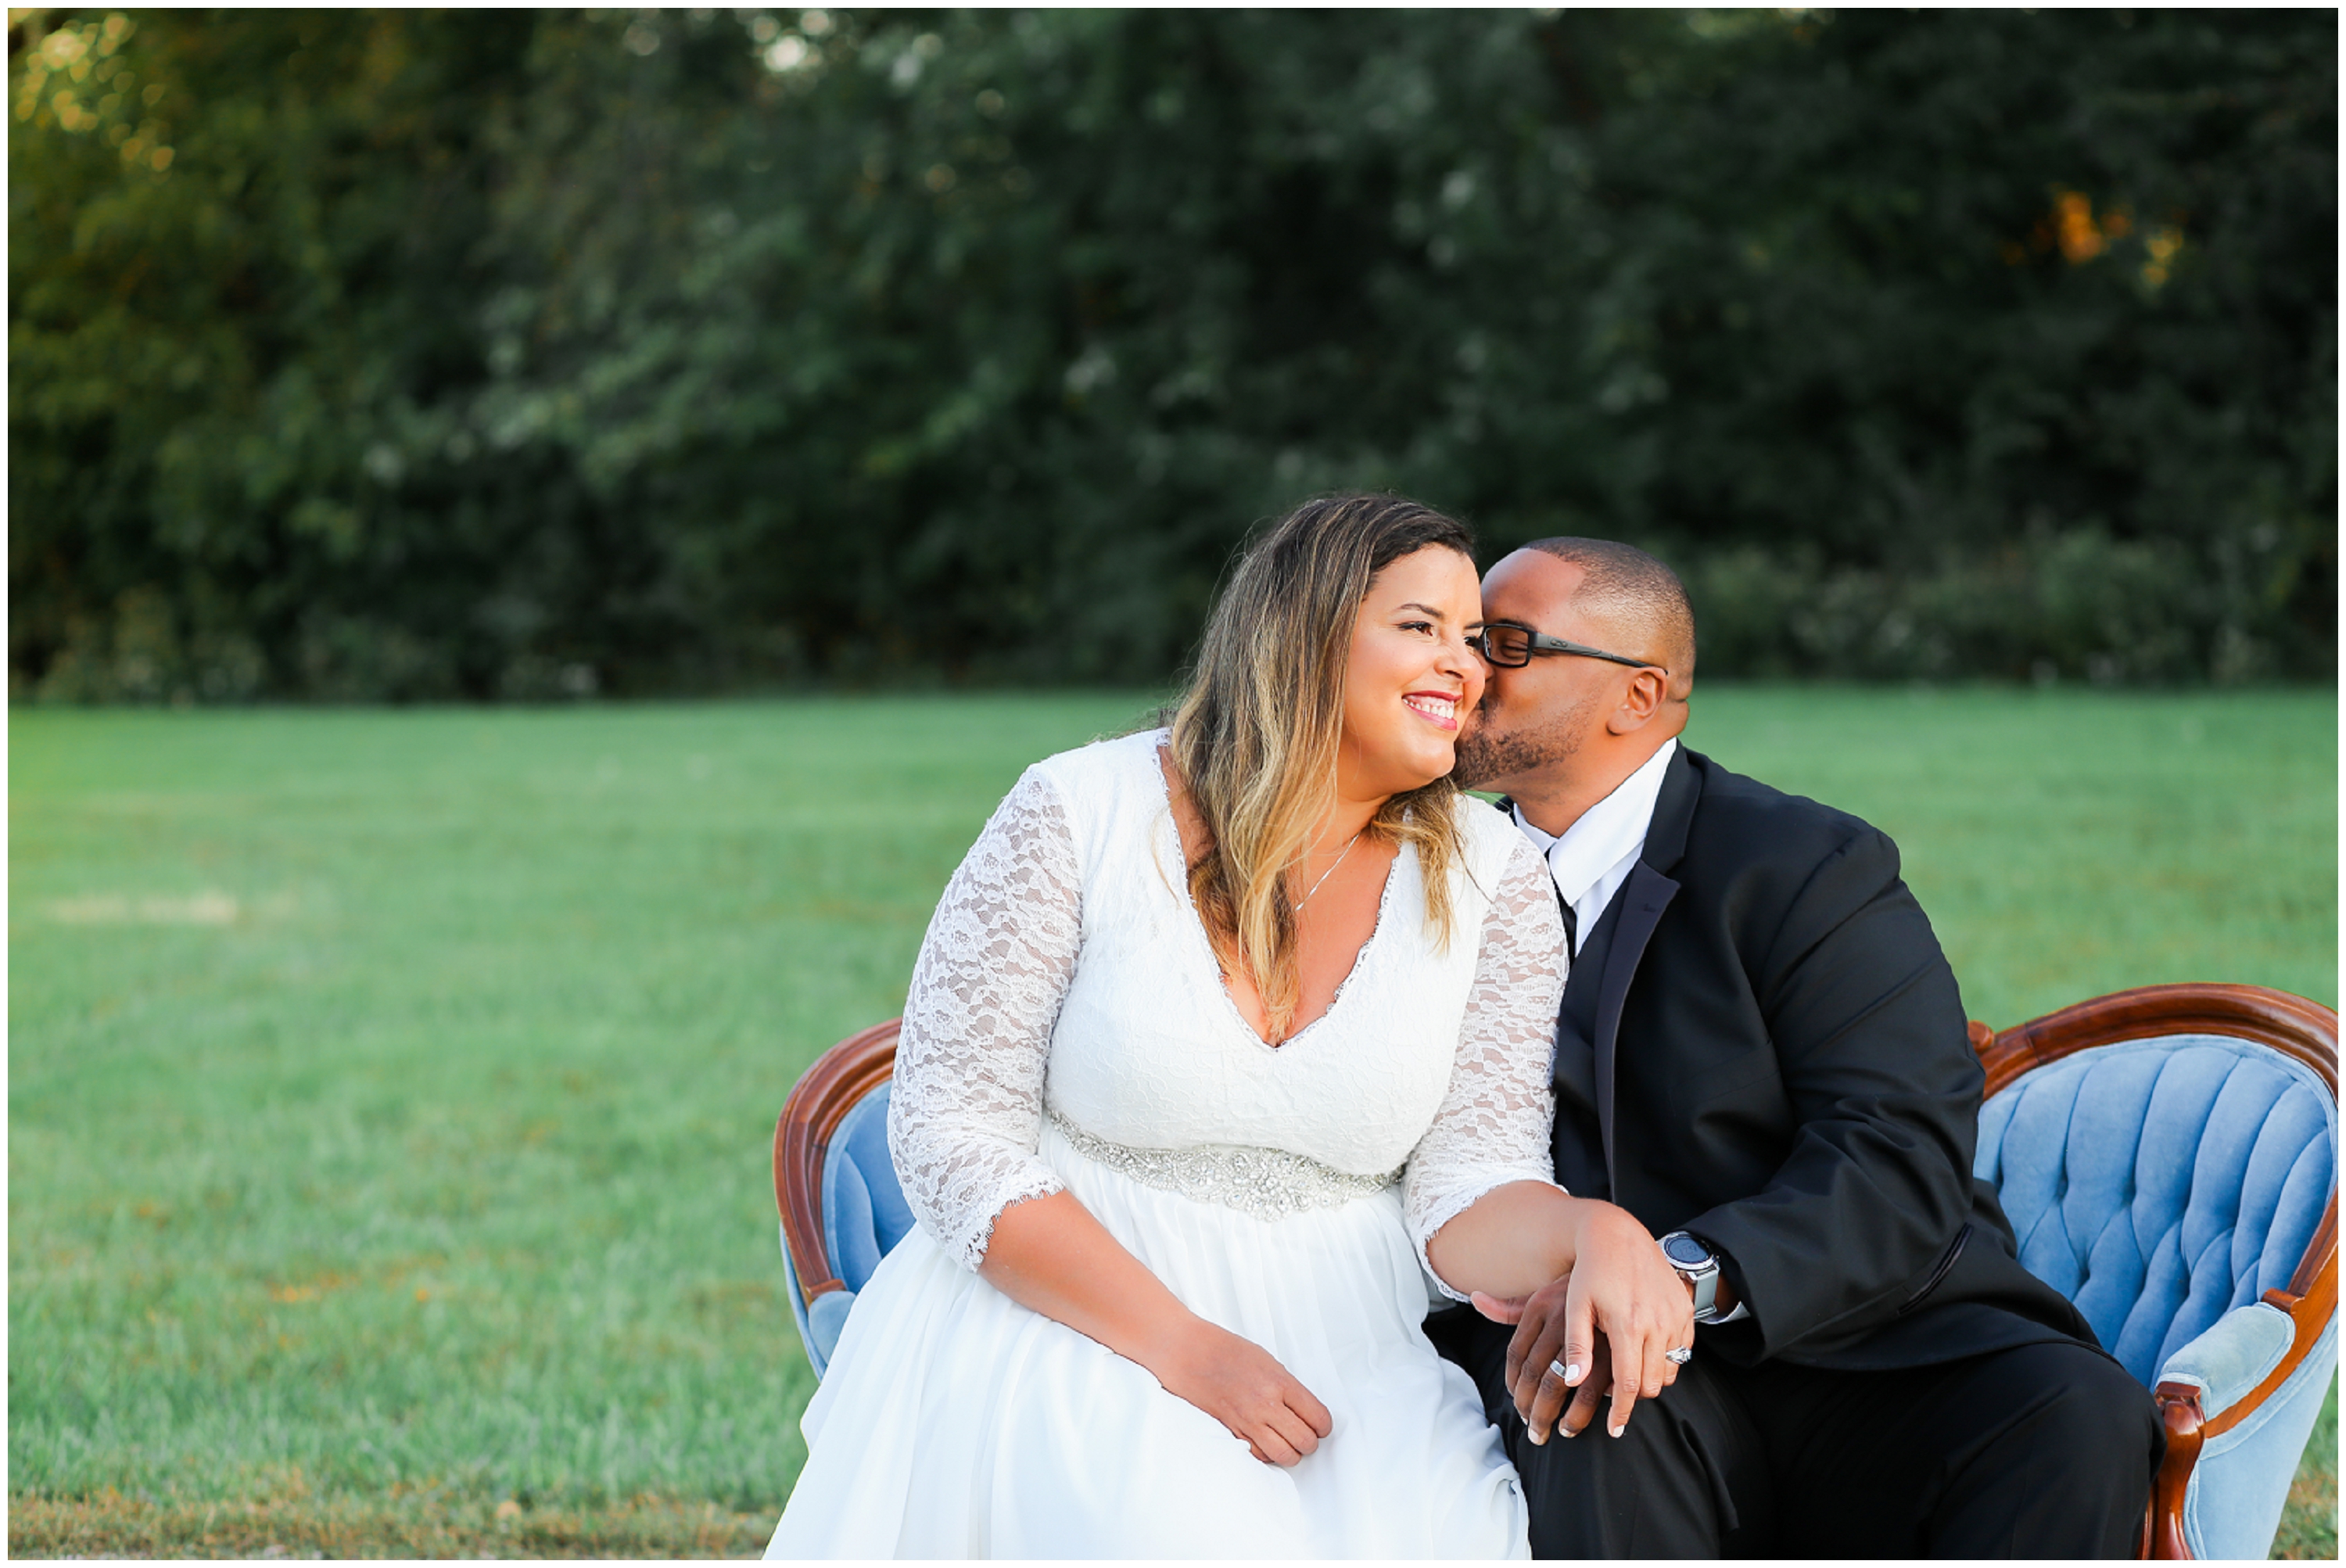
1065 967
1171 852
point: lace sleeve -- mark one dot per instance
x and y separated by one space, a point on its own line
965 1116
1494 1123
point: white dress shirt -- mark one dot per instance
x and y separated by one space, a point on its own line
1593 858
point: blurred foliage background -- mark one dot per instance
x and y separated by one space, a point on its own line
404 355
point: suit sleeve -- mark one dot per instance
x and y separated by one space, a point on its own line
1869 1036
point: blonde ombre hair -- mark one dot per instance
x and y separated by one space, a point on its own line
1255 738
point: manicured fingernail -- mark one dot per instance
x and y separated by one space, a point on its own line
1536 1436
1572 1372
1567 1431
1617 1431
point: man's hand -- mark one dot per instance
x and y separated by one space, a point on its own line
1620 1288
1591 1393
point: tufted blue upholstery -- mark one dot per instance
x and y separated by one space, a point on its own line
863 1216
2160 1183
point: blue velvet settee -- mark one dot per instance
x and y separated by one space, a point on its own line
2168 1157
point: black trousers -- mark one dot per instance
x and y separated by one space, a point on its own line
2041 1450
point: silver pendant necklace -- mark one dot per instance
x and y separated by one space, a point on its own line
1329 872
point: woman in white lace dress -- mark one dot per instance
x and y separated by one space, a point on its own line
1222 1043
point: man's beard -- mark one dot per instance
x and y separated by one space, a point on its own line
1484 753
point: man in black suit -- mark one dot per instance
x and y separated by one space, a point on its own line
1761 1055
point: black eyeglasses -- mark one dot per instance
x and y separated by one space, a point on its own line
1512 647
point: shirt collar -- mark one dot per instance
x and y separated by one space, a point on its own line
1607 832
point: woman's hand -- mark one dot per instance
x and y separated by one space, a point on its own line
1051 1254
1621 1288
1242 1386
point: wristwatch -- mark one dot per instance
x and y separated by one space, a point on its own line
1699 1265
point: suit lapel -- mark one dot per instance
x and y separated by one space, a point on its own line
1643 897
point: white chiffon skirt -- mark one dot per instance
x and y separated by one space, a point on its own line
955 1422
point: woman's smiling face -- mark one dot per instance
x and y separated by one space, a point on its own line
1412 680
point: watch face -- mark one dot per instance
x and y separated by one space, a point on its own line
1686 1252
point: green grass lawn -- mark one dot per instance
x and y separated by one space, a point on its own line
390 1093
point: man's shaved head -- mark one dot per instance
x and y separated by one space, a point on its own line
1634 593
1560 733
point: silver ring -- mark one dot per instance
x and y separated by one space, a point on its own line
1562 1374
1681 1356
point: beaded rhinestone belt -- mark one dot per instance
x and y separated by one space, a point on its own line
1269 1183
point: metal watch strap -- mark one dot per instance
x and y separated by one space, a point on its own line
1703 1280
1706 1293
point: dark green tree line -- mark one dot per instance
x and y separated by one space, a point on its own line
414 354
